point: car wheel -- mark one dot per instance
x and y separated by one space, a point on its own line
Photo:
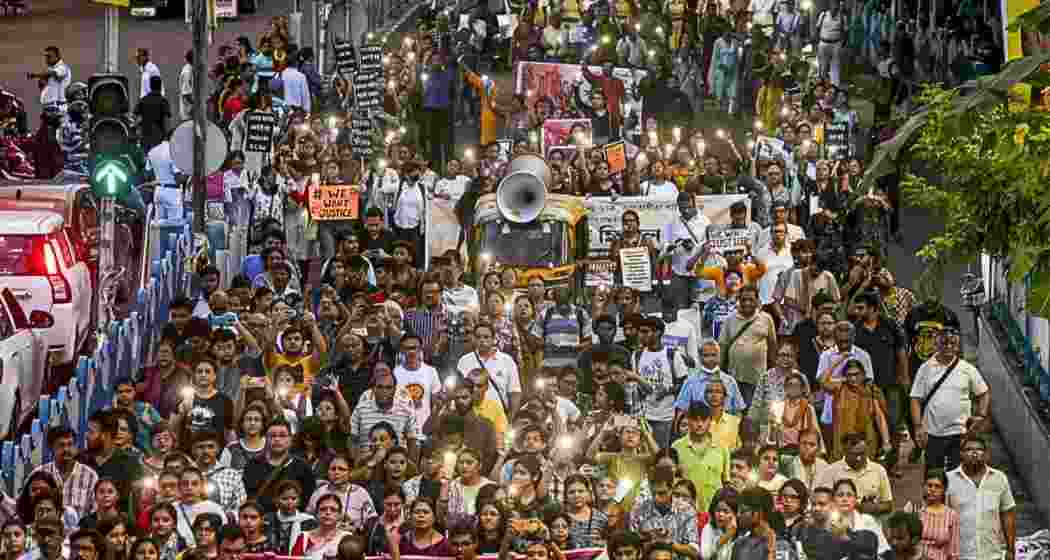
12 428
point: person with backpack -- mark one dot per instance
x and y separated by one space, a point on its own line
660 371
563 332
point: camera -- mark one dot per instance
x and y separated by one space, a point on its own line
686 244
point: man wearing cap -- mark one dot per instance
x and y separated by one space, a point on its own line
702 460
379 405
941 406
684 238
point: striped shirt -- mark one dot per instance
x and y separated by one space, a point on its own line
940 534
367 414
429 324
562 334
78 491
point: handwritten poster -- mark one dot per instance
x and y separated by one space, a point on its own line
371 59
259 127
334 202
637 268
616 157
345 58
361 136
368 89
727 239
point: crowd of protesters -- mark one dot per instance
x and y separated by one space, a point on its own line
344 395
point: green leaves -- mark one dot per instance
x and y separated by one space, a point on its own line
986 174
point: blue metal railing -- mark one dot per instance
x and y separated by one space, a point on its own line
126 347
1033 373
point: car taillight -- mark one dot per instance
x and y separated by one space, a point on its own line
60 292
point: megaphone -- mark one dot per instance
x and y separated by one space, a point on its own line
522 193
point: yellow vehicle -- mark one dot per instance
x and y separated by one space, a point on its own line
524 228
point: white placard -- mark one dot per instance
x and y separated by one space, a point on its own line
726 239
637 268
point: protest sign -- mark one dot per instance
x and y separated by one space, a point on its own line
769 148
371 60
605 221
368 89
727 239
361 136
616 157
334 202
345 58
259 127
837 140
567 132
226 9
568 91
637 268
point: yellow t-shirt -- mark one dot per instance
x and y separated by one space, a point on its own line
493 412
726 432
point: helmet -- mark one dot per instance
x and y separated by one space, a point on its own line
77 91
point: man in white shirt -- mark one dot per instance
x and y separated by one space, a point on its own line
296 88
168 196
417 382
942 401
186 88
147 69
832 31
504 381
684 238
657 368
409 207
986 505
58 76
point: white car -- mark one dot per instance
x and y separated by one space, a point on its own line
23 361
39 264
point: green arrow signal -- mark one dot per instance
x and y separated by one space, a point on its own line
113 176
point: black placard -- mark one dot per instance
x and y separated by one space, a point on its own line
837 140
345 58
371 60
368 90
361 136
259 127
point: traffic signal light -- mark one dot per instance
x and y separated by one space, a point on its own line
110 136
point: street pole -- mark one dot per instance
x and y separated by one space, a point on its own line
200 125
111 64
